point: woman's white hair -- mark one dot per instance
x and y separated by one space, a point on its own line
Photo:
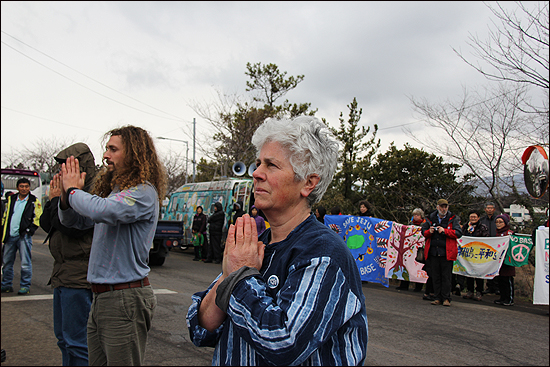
313 148
419 212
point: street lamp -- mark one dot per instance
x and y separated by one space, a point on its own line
186 152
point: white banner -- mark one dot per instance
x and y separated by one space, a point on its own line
540 291
480 257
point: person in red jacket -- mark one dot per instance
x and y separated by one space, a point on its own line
441 230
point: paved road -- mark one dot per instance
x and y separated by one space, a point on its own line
403 329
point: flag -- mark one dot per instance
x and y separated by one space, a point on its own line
403 245
518 250
480 257
367 240
540 291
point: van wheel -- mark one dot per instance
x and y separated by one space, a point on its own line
155 260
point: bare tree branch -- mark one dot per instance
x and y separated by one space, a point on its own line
485 132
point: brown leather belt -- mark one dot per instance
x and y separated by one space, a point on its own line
100 288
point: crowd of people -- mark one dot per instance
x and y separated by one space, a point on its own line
211 250
441 229
286 277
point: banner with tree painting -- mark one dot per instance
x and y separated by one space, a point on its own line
403 245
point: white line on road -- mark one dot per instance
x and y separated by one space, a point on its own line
41 297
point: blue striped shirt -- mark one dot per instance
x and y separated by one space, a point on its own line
306 308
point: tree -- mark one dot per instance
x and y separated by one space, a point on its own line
517 50
176 170
486 133
235 120
403 179
353 158
38 157
269 82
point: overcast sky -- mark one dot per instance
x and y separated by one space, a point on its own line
75 70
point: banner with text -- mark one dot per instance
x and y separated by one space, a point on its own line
480 257
540 291
403 245
519 248
367 239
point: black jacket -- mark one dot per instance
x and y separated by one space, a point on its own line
70 247
238 212
29 218
479 230
199 223
217 220
490 223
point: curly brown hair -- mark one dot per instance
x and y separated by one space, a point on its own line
141 163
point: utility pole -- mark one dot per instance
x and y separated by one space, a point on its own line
194 125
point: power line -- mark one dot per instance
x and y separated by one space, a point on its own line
64 76
392 127
43 118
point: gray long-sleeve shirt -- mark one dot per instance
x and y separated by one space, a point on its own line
125 224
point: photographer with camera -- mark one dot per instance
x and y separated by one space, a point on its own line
441 230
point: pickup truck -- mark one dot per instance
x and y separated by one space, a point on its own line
169 234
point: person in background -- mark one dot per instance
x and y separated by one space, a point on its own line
197 243
298 299
215 227
124 208
506 273
416 220
365 209
200 222
239 211
336 210
489 220
320 213
70 249
20 221
260 222
2 201
441 231
474 228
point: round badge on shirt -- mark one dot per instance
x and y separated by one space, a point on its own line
273 281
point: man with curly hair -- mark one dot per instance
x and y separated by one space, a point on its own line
124 206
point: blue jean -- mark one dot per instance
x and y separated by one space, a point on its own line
24 245
71 307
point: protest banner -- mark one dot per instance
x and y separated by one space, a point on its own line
540 289
366 239
480 257
519 248
403 245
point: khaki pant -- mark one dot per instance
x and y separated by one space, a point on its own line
118 325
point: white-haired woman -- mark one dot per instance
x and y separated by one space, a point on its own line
298 299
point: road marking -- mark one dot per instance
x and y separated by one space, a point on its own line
28 298
41 297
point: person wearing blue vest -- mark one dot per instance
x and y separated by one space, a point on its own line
293 295
19 222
